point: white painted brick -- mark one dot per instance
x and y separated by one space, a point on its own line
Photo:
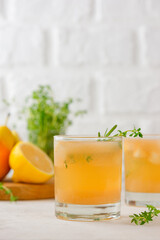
50 11
96 98
91 124
152 46
1 94
86 125
64 85
1 9
93 55
3 14
122 9
150 124
128 98
2 91
154 7
131 93
20 46
4 109
96 46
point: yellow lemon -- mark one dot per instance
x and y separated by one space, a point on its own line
30 164
16 137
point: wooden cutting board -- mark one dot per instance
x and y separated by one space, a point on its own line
25 191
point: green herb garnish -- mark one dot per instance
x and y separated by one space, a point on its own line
71 159
88 158
65 163
107 134
146 216
132 133
8 192
46 117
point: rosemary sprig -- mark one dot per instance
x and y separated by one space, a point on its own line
131 133
99 135
8 192
107 134
146 216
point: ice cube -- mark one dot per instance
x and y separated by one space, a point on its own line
154 158
139 153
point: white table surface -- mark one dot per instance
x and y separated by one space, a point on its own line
36 220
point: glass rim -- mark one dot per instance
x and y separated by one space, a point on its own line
86 138
145 136
109 139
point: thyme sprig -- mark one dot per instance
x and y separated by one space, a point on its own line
131 133
146 216
8 192
46 117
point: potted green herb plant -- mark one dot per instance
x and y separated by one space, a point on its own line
46 118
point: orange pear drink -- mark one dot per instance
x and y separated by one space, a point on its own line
87 177
142 170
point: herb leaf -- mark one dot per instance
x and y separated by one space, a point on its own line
110 131
8 192
132 133
146 216
88 158
65 163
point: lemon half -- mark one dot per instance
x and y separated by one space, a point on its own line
30 164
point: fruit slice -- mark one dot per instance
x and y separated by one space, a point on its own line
30 164
6 144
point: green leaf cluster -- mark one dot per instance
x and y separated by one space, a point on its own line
131 133
46 117
146 216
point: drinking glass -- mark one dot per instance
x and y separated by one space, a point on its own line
87 177
142 170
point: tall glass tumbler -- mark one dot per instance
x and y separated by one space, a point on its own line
142 170
87 177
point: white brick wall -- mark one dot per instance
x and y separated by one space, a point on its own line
154 7
48 12
1 8
152 42
21 46
123 9
98 47
2 93
106 52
